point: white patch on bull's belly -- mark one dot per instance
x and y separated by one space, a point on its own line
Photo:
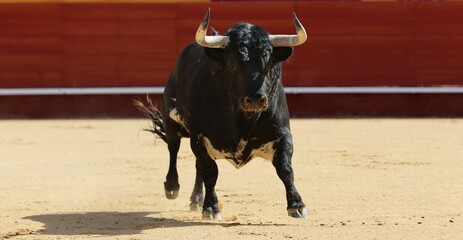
265 151
216 154
174 115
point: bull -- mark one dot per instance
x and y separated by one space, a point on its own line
225 93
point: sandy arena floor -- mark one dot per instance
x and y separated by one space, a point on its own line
361 179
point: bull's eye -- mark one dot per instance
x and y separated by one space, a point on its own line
266 53
244 52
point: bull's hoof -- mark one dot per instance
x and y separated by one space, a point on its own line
171 190
171 194
297 212
209 214
195 207
196 203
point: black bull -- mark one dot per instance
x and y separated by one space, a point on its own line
226 94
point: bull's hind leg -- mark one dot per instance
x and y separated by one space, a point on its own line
197 194
282 163
171 186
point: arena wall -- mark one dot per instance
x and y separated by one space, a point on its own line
68 44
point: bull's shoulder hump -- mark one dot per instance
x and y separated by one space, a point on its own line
191 51
186 62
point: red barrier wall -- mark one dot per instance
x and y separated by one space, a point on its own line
136 44
350 43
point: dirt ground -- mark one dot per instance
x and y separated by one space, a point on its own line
360 179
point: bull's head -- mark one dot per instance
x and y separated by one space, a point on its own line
246 60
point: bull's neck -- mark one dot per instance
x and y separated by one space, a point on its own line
224 96
224 107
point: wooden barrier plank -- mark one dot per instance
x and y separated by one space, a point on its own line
425 42
439 18
395 105
125 42
150 27
21 11
389 43
328 43
240 11
438 77
85 28
147 11
30 27
318 77
289 76
386 60
33 45
439 59
90 45
148 44
432 59
91 77
327 18
91 61
326 60
432 69
90 11
145 61
383 77
30 78
144 77
384 18
20 62
71 106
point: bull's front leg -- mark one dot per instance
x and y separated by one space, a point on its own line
211 208
209 172
282 163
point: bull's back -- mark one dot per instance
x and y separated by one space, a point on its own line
191 74
183 88
190 61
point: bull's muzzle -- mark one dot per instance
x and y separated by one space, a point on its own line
256 103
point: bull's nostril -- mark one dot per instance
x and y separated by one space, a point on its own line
255 103
261 100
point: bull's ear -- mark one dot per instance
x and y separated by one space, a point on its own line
281 53
215 54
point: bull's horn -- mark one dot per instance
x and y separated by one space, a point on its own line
290 40
209 41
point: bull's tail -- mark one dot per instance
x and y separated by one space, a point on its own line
151 112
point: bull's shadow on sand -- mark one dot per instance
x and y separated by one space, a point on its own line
109 223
